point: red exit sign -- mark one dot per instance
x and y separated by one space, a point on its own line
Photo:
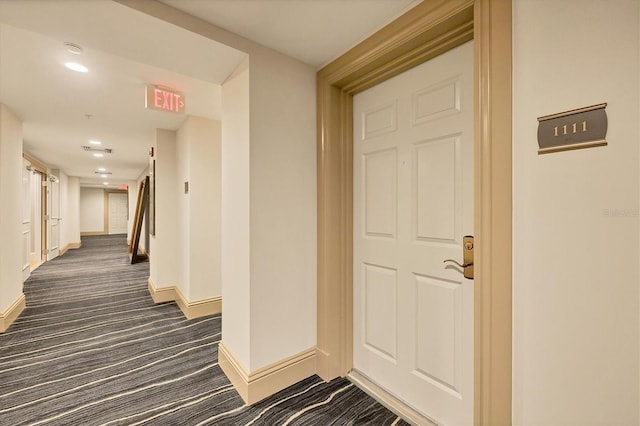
164 99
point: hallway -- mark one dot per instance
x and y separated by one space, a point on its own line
92 348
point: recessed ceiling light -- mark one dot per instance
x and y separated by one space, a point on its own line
98 154
93 142
104 176
73 48
76 67
105 183
102 169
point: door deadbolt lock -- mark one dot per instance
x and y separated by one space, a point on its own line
467 257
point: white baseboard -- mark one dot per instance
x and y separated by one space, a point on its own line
12 313
196 309
394 404
266 381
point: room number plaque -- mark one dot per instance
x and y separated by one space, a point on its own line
575 129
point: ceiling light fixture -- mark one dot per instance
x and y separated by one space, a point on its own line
74 66
98 154
93 142
105 183
101 169
104 176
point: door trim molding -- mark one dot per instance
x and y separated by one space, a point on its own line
427 30
35 163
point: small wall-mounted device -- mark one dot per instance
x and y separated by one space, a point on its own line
186 187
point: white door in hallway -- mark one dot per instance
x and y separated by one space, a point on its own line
37 215
53 218
118 212
26 219
413 203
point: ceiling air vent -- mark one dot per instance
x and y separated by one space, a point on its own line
92 149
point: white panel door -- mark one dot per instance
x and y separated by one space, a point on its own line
413 203
36 221
26 219
118 212
53 219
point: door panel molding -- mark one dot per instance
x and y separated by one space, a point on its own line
429 29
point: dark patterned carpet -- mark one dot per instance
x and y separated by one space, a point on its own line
92 348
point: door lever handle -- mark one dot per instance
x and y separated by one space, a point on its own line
458 263
467 252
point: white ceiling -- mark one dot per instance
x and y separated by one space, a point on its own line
125 50
313 31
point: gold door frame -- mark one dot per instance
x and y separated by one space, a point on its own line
427 30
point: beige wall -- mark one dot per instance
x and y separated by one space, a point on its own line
198 144
236 279
276 183
182 162
165 244
269 216
204 208
64 195
282 207
10 207
71 211
92 210
575 213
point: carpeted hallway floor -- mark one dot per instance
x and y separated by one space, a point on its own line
92 348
